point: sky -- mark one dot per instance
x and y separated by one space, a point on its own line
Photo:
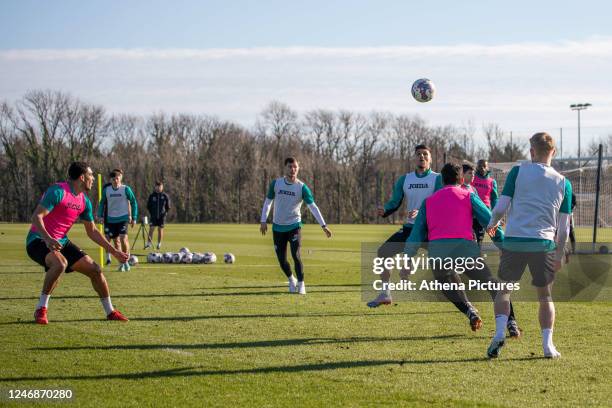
519 64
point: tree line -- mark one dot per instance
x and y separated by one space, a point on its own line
216 170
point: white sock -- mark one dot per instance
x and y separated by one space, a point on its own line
108 257
387 292
550 350
43 301
547 337
107 305
501 321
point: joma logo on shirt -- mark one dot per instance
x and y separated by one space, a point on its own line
417 185
73 206
285 192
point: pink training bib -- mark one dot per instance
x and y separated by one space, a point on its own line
484 187
63 216
449 214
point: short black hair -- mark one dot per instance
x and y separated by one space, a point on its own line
77 169
290 160
115 172
467 167
451 173
482 162
421 147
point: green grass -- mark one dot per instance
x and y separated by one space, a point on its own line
229 335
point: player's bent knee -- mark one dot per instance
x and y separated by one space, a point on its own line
96 269
87 266
57 261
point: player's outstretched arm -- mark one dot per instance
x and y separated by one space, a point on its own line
502 205
484 217
265 210
565 215
133 205
494 195
312 206
397 196
97 237
562 235
37 220
167 203
319 217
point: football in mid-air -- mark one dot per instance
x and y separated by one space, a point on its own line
229 258
423 90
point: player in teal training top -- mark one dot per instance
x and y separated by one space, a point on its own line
411 188
450 236
539 204
288 193
118 208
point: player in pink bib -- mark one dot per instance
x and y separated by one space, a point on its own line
445 222
47 243
486 187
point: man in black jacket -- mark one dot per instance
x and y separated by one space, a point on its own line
158 206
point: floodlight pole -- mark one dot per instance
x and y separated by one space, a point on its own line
578 107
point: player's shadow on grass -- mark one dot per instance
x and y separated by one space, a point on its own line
21 272
313 367
310 341
162 295
366 313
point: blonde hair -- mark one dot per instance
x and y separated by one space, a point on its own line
542 143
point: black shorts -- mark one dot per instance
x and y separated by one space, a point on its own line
283 237
479 231
159 221
115 229
37 250
541 266
392 245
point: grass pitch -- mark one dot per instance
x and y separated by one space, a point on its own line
230 335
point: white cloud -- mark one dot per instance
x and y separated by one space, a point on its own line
596 46
523 87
